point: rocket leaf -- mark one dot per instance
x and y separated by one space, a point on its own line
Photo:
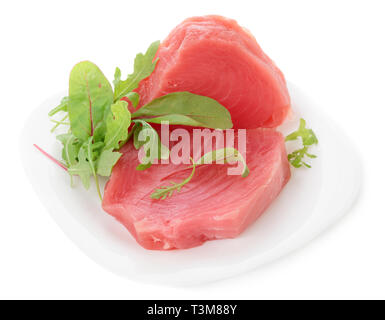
117 125
147 137
99 120
163 192
82 169
308 138
106 162
226 154
70 148
134 98
144 65
117 76
63 106
296 157
91 156
307 135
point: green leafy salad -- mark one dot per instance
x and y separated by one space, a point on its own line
100 123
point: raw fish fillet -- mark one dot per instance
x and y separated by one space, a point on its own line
213 205
215 57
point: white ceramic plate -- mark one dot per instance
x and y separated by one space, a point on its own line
312 200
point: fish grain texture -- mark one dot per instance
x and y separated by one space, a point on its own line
213 205
213 56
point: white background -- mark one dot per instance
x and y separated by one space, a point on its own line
333 50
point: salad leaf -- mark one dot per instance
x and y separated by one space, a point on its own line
90 94
139 125
167 191
117 76
296 157
86 166
99 122
62 121
226 154
70 148
100 131
63 106
134 98
58 123
117 125
82 169
108 158
308 138
147 137
90 151
186 108
307 135
144 65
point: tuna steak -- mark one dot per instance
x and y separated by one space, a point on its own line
213 205
215 57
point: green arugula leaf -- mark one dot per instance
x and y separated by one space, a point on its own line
144 65
143 166
226 154
90 94
185 108
147 137
70 148
296 157
108 158
82 169
61 121
58 123
308 138
117 76
63 106
163 192
99 122
117 125
307 135
85 167
136 130
91 156
134 98
100 132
